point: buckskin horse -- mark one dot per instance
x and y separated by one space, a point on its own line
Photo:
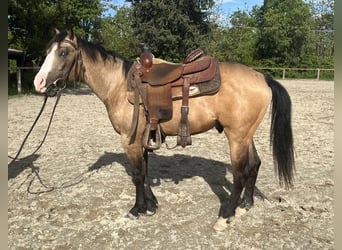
236 108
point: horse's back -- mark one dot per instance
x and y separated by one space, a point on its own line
242 80
241 101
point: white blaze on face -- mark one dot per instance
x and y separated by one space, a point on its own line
40 78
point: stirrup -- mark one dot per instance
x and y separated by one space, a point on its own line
152 137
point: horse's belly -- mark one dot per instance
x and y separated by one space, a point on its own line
201 117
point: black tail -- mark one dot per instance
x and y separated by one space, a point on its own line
281 133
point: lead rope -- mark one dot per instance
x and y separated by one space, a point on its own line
35 171
49 94
16 157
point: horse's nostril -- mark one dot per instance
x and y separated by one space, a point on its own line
39 82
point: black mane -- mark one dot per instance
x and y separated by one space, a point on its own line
93 49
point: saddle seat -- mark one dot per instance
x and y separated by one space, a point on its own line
155 83
163 72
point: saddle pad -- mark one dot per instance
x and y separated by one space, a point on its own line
200 89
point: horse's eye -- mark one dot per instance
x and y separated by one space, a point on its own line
63 53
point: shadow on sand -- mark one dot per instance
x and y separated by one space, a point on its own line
174 168
18 166
179 167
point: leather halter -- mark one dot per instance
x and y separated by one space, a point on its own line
79 70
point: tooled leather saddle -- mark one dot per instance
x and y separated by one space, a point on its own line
155 83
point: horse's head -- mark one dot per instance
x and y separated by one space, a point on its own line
62 58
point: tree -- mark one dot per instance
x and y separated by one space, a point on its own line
243 35
30 22
321 45
172 28
284 31
28 25
82 15
236 41
117 33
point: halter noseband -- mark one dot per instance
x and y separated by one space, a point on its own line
53 88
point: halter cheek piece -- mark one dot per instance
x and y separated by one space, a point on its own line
54 87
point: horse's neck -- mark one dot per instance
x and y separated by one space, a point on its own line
104 77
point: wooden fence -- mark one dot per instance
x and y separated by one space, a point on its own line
19 73
283 70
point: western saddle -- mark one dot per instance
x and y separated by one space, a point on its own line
155 83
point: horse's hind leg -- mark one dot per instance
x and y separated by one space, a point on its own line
253 169
245 165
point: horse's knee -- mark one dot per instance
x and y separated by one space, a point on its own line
138 180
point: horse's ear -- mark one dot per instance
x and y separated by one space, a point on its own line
56 31
71 35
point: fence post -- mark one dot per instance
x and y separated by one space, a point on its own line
19 80
318 71
283 74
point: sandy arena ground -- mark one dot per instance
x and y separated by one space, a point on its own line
75 192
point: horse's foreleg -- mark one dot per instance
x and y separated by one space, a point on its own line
145 202
138 178
150 199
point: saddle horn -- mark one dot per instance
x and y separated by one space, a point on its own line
146 57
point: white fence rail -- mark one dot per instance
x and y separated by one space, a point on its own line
284 70
318 71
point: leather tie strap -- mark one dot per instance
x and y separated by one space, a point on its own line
134 123
183 137
138 92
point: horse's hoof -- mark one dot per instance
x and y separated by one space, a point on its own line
131 216
220 224
150 213
134 217
240 211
